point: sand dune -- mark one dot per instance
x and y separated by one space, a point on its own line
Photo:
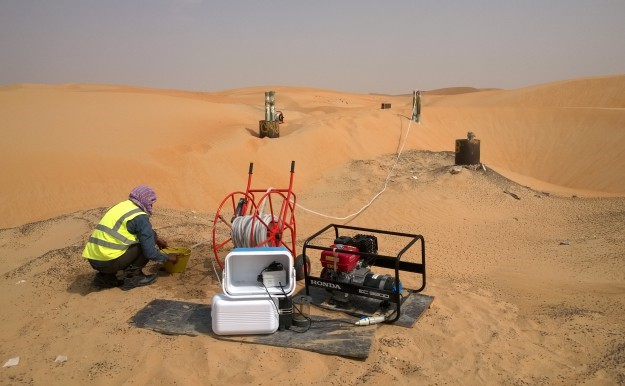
528 290
566 134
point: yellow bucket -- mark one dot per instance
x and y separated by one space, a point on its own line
183 259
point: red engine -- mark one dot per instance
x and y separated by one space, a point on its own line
340 261
352 268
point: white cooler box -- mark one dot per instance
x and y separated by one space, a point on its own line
240 316
243 265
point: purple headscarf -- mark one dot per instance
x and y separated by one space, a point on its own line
144 197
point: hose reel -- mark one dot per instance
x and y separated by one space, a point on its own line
244 221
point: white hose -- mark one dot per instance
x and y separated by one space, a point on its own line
242 230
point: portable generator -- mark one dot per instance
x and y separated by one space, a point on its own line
353 268
348 264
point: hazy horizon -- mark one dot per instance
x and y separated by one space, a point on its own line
352 46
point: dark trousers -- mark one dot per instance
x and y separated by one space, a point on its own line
133 256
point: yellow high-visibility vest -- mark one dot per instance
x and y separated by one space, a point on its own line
111 238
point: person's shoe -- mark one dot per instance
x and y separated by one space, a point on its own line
106 280
134 277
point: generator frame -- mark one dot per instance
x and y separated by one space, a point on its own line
383 261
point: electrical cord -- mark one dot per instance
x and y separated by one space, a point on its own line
388 177
271 299
274 266
311 321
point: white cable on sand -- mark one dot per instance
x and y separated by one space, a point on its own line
216 273
200 243
374 197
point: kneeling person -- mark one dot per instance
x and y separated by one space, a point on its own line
125 241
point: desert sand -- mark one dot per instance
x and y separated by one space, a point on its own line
525 257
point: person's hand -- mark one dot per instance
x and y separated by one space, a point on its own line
161 244
172 258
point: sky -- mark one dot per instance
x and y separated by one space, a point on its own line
359 46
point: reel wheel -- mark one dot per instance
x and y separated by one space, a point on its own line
276 215
235 204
